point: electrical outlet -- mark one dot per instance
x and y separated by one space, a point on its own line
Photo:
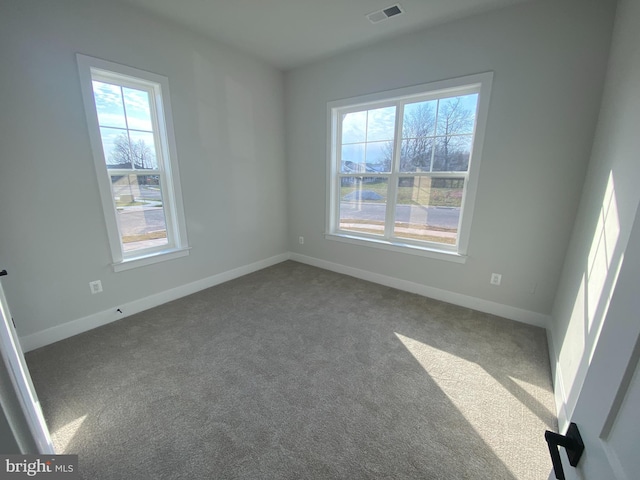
301 240
496 279
95 286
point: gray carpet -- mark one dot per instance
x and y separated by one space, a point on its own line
295 372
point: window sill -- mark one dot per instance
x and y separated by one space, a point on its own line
150 259
398 247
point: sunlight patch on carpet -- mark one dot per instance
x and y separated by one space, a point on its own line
63 436
485 403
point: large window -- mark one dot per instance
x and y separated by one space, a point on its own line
404 165
128 114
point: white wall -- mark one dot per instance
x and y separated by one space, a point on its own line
605 219
228 116
243 203
10 409
549 59
8 443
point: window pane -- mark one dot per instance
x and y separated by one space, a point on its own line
140 211
381 124
457 115
452 153
415 154
108 99
419 119
352 158
136 103
115 144
122 150
143 151
354 126
428 209
363 202
379 157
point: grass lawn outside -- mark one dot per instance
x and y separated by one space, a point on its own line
403 230
420 194
144 236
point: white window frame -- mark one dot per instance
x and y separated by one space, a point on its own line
158 86
478 83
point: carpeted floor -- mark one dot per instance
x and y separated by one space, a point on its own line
295 372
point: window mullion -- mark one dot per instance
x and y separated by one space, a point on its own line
435 131
392 187
129 171
126 124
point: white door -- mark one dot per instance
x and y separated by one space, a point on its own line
19 400
608 409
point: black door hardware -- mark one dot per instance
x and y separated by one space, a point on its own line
572 442
3 273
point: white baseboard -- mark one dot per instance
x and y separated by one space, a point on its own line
80 325
74 327
486 306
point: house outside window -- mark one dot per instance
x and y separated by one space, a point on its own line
129 119
403 166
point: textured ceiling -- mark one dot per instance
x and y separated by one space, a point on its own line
288 33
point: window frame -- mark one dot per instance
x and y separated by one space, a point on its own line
157 86
477 83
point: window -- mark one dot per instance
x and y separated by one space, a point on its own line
129 119
404 166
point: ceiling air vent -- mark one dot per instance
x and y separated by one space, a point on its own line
385 13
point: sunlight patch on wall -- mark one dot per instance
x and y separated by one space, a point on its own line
601 255
572 355
597 283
